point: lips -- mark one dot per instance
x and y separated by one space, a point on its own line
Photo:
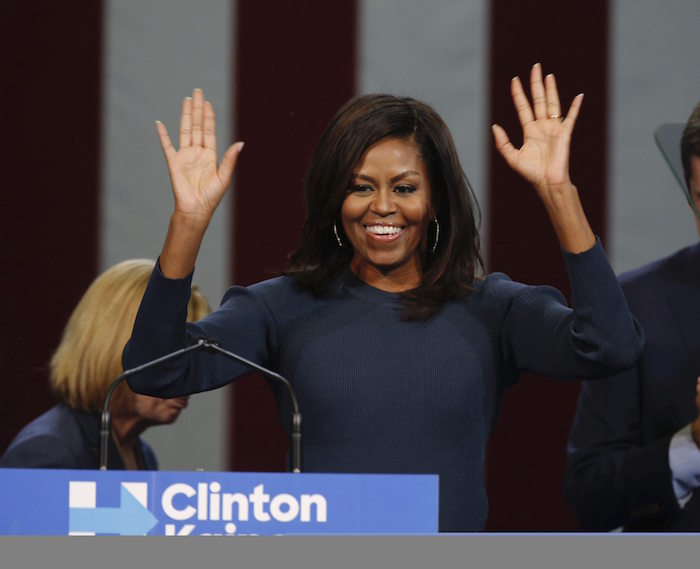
384 232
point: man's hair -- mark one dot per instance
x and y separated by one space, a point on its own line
690 142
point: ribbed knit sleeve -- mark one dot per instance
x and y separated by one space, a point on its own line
241 324
597 336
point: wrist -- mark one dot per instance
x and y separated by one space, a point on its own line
556 190
567 217
189 222
185 234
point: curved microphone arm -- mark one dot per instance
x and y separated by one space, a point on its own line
211 345
106 422
296 415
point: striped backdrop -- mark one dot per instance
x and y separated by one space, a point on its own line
84 81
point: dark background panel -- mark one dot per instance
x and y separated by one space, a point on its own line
51 95
295 66
526 456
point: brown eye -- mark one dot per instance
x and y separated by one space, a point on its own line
404 189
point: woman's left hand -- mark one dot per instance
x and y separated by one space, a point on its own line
543 159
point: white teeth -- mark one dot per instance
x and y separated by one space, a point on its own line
383 229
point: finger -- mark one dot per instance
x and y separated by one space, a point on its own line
572 115
186 123
552 96
228 163
503 144
209 126
537 90
522 105
165 143
197 114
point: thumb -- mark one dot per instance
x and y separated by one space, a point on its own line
165 143
228 163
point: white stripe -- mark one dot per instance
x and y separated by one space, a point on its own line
655 79
436 52
155 54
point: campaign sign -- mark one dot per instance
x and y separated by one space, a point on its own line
94 502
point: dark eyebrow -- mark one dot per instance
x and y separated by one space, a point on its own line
366 178
393 180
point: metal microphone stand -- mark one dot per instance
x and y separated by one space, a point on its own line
202 343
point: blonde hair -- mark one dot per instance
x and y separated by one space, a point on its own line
88 358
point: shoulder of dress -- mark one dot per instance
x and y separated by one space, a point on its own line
497 285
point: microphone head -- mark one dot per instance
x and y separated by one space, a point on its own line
205 341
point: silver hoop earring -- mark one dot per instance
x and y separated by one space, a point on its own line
337 237
437 235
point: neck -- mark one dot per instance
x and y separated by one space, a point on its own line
126 431
391 279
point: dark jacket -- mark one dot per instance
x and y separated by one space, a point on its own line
64 437
618 473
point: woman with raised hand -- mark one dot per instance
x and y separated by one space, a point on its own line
398 347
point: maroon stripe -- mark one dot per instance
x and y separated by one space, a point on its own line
295 65
51 77
527 453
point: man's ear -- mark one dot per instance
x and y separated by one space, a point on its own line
692 205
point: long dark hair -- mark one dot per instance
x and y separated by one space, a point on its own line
449 272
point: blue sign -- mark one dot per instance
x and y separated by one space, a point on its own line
94 502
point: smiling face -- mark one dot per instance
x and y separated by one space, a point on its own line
386 214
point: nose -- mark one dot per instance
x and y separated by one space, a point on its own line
383 202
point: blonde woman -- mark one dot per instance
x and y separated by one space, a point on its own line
87 360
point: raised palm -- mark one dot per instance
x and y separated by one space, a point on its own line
543 159
198 182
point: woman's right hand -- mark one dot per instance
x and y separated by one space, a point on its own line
198 183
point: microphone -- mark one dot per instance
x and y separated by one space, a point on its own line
295 436
212 346
106 422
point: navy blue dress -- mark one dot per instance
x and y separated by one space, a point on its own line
380 394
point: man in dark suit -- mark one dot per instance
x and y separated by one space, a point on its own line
634 449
